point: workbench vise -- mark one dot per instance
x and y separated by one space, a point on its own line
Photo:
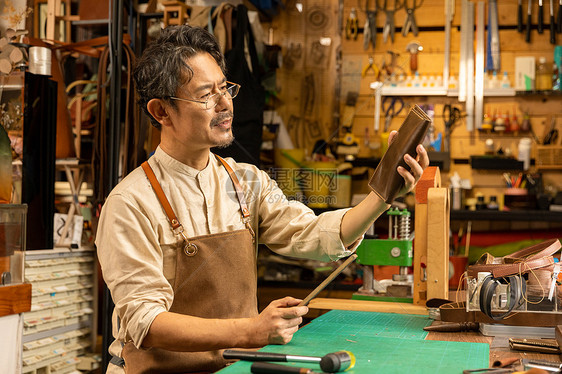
397 250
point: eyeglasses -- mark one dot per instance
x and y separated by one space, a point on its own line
212 101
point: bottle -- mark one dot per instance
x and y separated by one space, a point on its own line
543 76
505 83
5 167
524 152
493 203
487 122
453 82
514 123
494 82
499 123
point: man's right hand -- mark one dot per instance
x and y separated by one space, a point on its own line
277 323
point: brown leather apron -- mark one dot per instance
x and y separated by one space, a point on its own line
216 277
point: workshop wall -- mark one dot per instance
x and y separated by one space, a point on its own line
334 81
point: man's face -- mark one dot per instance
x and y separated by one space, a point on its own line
194 126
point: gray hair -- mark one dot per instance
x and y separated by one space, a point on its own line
164 64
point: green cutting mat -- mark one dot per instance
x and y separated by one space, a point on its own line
381 342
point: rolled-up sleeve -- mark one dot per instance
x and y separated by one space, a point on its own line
290 228
132 263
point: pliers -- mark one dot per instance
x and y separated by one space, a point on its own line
370 66
352 25
370 30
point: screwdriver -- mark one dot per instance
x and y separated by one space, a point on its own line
552 31
519 16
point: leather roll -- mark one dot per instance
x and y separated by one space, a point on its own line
386 182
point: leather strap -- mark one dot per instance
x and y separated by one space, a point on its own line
161 196
519 263
170 212
237 187
456 312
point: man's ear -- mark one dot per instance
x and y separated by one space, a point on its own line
159 111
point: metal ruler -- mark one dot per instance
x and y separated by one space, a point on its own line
449 13
479 73
470 68
462 53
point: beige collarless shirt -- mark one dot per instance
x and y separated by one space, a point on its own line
136 245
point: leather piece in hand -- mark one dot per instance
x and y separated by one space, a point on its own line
386 182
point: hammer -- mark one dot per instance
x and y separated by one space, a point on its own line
330 363
413 48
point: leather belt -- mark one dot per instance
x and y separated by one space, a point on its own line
456 312
534 257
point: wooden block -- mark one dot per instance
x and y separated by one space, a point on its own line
15 299
367 306
438 243
420 254
430 178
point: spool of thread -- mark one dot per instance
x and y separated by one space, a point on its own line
40 60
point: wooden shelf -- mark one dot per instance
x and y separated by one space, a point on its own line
512 215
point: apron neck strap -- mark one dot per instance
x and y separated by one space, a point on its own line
168 208
161 196
239 191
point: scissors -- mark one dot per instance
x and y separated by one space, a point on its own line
370 28
392 106
389 28
410 23
451 117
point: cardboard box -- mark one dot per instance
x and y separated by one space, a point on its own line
525 73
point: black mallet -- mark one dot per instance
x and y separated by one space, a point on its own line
330 363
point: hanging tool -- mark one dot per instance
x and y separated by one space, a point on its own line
377 87
528 26
493 53
552 26
519 16
389 28
352 25
413 48
559 22
552 135
451 118
410 23
370 28
330 363
370 67
348 145
392 106
540 25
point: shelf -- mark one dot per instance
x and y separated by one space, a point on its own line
512 215
539 93
438 91
495 163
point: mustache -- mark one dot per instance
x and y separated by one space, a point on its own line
222 117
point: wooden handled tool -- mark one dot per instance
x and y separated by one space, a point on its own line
330 278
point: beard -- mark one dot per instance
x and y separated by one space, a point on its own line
228 115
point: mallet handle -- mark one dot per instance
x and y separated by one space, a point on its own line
267 356
267 368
